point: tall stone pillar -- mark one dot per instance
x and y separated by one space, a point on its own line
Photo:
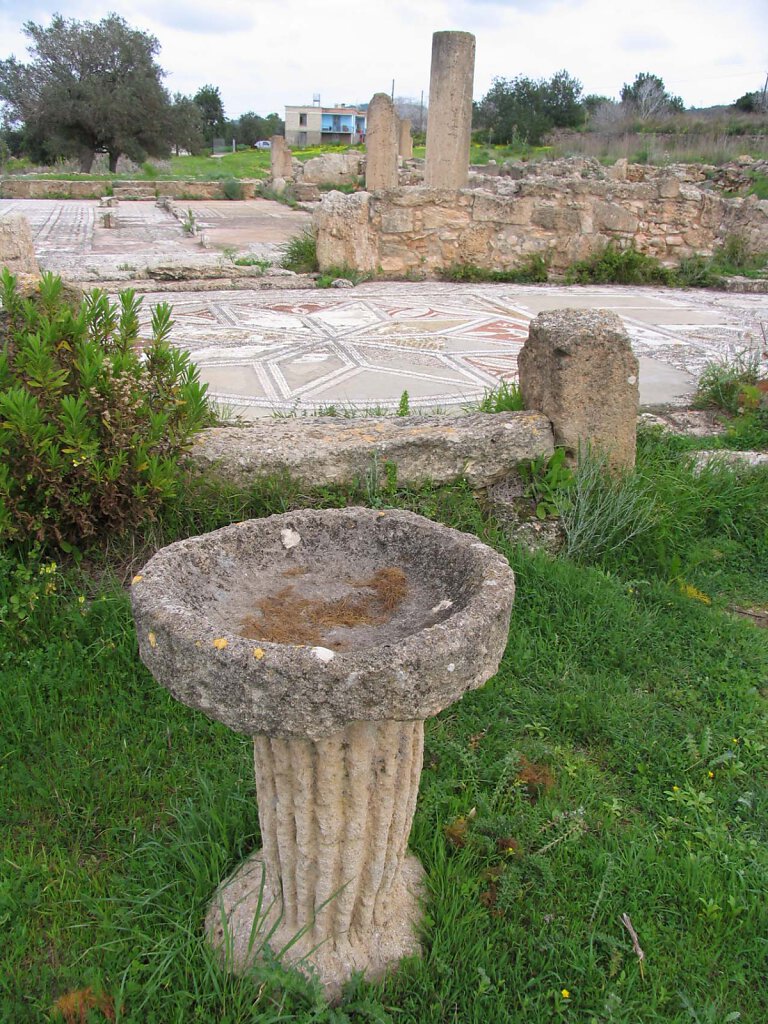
405 141
381 144
281 158
450 110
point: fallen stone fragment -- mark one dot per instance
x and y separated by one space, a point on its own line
482 447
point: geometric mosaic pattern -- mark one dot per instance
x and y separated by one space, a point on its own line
308 350
303 351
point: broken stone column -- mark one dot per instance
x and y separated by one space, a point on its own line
450 110
405 140
381 144
17 252
280 158
578 368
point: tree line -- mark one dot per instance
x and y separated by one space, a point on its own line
93 88
525 109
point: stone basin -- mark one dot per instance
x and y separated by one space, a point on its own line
329 636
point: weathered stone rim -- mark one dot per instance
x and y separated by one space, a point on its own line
291 690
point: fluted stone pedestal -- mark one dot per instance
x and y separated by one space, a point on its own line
334 870
328 636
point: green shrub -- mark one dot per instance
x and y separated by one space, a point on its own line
722 384
532 269
300 254
548 483
612 265
697 272
232 188
90 428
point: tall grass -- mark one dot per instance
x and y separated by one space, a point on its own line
708 147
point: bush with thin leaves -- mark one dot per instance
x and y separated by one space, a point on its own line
91 427
603 511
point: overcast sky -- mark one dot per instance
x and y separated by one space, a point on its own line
263 54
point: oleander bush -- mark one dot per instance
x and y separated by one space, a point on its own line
93 418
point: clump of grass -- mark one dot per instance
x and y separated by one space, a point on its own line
346 187
697 271
343 273
505 397
735 257
758 186
721 384
252 261
612 265
286 197
532 269
300 254
602 512
232 188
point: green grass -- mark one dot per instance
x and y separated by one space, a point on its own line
532 269
300 253
618 266
122 809
759 186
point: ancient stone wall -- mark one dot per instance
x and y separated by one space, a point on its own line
32 188
422 230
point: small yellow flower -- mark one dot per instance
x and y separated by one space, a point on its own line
137 579
711 775
565 993
675 789
220 643
696 595
258 653
735 739
81 599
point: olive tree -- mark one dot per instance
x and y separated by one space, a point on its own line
87 88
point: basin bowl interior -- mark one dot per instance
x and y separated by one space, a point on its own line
343 584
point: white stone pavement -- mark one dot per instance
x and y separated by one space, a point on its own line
445 344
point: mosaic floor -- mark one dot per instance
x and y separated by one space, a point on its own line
444 345
282 351
70 240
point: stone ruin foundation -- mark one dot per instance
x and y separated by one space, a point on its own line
496 219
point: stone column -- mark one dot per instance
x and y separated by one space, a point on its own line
281 158
578 368
335 816
405 141
450 110
381 144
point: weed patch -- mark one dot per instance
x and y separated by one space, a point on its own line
300 254
612 265
532 269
